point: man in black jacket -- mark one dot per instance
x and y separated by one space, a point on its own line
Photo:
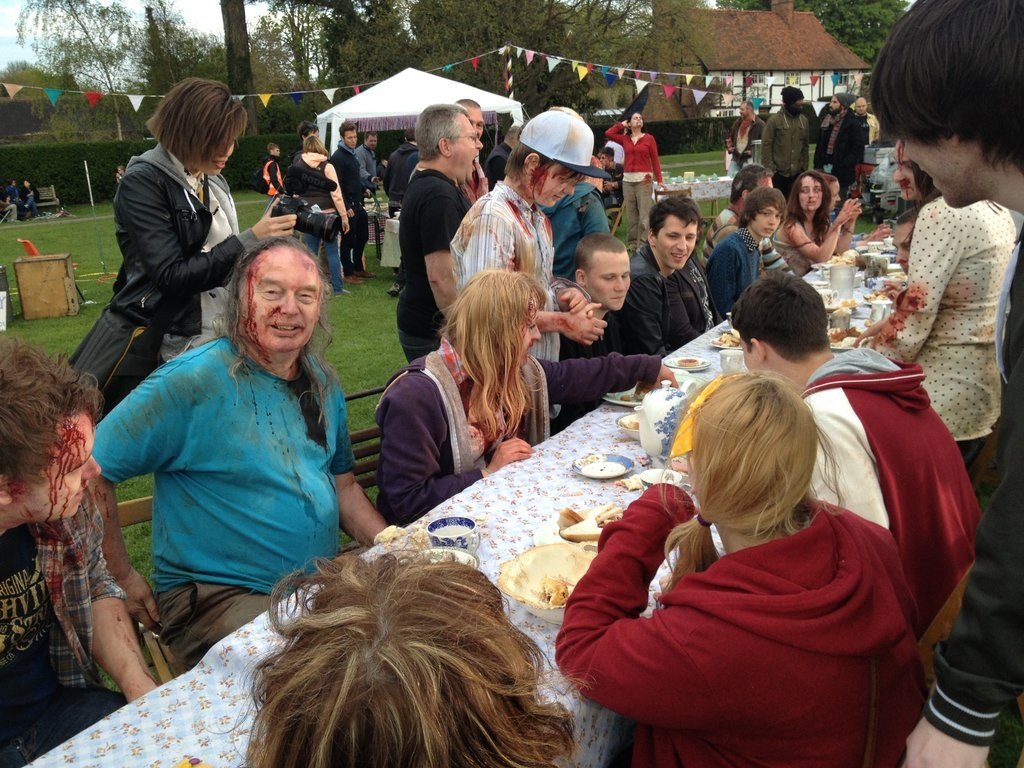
944 66
668 303
400 167
346 165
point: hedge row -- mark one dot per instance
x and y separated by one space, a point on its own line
62 165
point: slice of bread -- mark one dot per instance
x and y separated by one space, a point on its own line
592 520
567 517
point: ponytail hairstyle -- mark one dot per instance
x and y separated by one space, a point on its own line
754 448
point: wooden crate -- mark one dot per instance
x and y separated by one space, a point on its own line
46 285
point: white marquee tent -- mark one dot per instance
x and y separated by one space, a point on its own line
396 102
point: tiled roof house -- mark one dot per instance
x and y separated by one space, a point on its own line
764 51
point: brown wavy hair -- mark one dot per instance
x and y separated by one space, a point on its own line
197 120
485 325
795 214
755 443
402 663
37 394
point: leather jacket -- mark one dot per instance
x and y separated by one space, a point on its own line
161 227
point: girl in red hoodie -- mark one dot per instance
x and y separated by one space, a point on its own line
793 649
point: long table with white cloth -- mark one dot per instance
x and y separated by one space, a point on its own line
207 712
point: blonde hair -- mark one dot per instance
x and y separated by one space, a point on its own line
313 145
402 662
754 448
485 325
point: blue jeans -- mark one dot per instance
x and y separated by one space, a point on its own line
333 259
70 711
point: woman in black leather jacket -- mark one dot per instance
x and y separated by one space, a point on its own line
176 225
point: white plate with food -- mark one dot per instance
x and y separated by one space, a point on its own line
728 340
602 466
843 304
542 578
629 398
687 363
842 340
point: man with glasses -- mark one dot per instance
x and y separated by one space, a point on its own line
432 209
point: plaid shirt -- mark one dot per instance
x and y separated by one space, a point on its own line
503 231
71 559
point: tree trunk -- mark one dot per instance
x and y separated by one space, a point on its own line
236 45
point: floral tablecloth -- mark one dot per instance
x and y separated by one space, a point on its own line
207 712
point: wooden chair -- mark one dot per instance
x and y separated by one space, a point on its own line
365 444
983 470
614 218
939 630
165 665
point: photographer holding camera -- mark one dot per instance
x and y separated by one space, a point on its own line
178 233
313 177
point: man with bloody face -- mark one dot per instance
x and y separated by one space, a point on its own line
505 229
247 438
61 611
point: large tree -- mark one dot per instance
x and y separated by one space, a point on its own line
860 25
83 43
173 51
237 55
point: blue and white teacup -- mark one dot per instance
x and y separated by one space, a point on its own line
457 532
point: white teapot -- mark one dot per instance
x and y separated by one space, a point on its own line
660 414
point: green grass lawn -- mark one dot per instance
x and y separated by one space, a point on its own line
364 351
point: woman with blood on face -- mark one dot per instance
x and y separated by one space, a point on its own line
482 401
945 318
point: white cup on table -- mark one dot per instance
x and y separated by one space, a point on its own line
731 360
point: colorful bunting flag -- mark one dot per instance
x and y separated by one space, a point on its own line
328 92
529 57
136 100
265 98
857 78
818 106
356 89
93 97
475 61
669 90
688 78
748 81
610 78
619 71
581 71
757 101
728 98
835 79
53 94
653 76
12 89
296 96
640 85
553 61
814 80
728 81
770 80
698 95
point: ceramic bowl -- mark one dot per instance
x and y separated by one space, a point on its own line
651 477
521 577
630 424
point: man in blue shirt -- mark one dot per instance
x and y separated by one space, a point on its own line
247 438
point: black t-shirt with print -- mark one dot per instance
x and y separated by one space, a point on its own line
27 681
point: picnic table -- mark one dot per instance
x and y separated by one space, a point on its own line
207 712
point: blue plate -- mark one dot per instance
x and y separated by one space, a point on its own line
602 466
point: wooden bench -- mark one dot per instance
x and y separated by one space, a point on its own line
365 444
48 198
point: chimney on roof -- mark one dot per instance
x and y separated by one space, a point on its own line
784 8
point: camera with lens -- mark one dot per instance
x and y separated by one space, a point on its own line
309 219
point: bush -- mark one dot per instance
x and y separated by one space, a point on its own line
62 164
